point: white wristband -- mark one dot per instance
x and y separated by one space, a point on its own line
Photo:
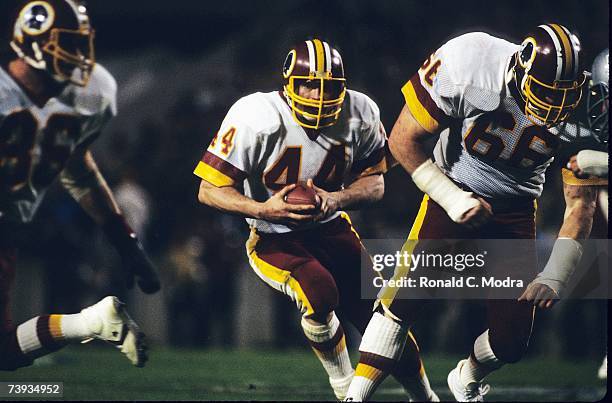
561 264
431 180
593 162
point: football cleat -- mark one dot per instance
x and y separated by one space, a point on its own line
603 370
472 392
108 320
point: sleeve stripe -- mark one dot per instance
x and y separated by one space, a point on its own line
423 107
211 175
223 166
371 160
217 171
570 179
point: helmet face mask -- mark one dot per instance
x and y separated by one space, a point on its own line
315 86
546 73
321 111
550 105
55 36
598 98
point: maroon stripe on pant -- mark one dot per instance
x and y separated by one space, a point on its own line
330 344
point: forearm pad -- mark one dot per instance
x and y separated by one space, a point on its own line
593 162
455 201
562 263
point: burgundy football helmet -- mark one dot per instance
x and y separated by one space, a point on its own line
316 65
547 73
56 36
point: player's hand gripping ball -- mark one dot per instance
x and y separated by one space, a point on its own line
303 194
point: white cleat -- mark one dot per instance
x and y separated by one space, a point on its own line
108 320
472 392
603 370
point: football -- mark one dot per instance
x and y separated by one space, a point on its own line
302 194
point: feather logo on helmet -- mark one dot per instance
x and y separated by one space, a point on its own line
289 64
36 18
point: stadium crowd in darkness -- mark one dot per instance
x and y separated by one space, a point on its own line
172 98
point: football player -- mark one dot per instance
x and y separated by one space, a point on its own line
500 110
595 162
54 101
314 131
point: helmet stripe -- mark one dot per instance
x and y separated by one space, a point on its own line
320 56
328 61
311 56
558 49
567 49
575 46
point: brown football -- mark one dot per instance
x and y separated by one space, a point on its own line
302 194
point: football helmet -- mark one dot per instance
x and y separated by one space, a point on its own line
56 36
547 74
318 66
598 103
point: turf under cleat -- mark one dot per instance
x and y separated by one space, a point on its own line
108 320
472 392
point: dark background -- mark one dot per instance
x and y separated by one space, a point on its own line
180 65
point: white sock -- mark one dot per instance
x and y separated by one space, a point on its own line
381 347
485 363
40 336
329 344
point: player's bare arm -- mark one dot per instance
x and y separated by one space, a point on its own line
85 183
406 145
364 191
229 199
580 207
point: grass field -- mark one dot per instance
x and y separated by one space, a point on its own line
95 372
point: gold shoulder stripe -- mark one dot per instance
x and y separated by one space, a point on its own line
417 109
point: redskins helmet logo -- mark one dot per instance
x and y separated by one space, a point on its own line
527 53
36 18
289 64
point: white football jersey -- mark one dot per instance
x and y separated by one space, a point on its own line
489 145
261 146
36 142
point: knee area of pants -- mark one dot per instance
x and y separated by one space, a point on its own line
509 352
326 300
